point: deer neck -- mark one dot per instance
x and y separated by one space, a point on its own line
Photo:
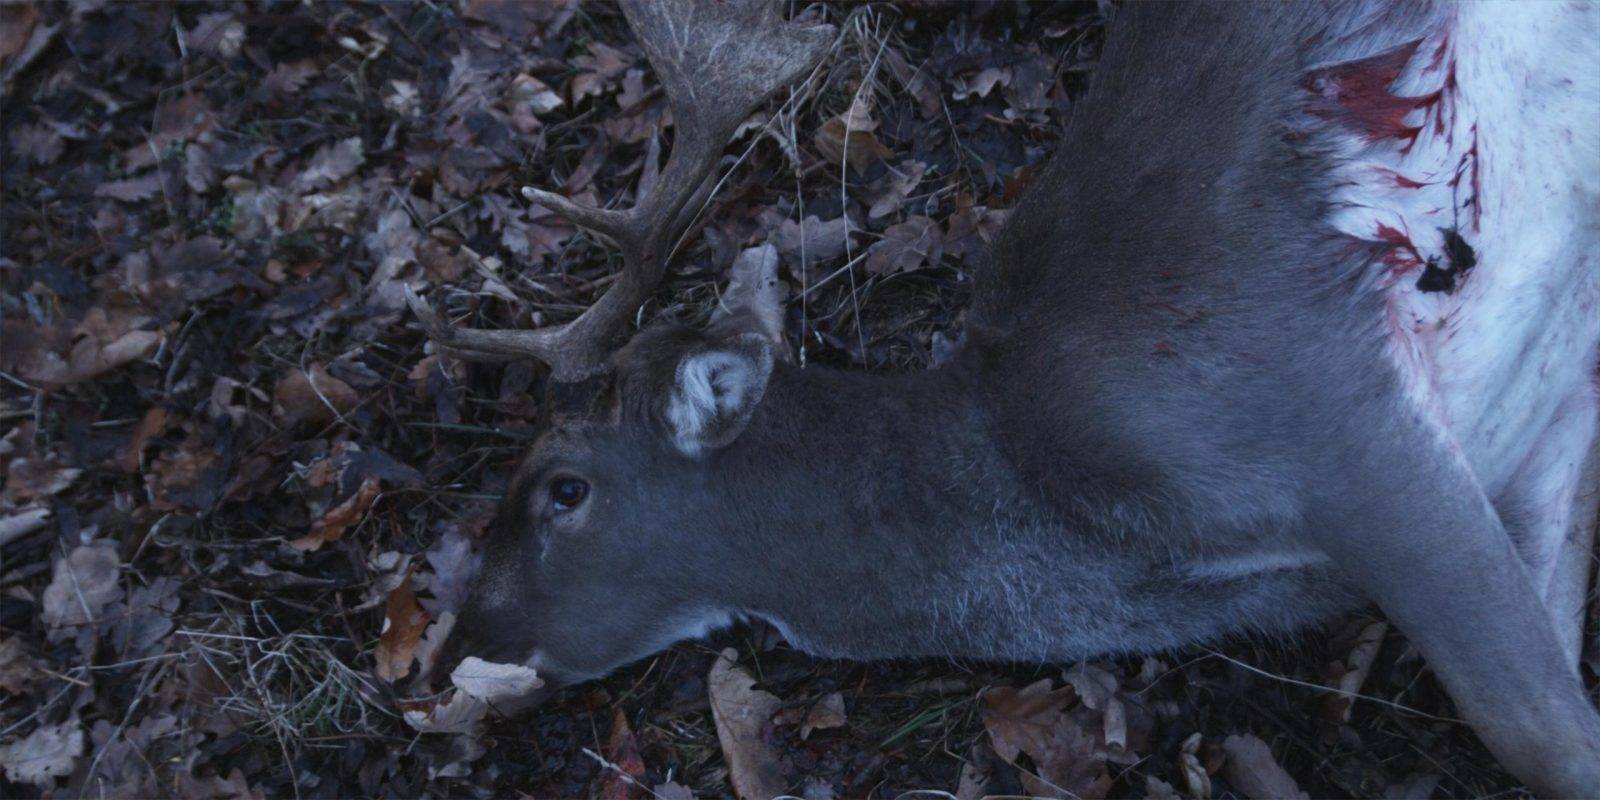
861 500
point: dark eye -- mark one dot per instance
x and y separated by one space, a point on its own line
567 494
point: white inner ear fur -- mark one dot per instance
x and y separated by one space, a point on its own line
709 384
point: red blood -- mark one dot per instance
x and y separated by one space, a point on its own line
1356 93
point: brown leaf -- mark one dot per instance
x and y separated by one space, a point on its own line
37 478
1253 771
131 190
849 137
742 712
18 669
906 246
403 623
1020 720
897 186
150 425
16 24
816 240
218 33
462 713
333 524
1351 672
1069 756
314 397
625 779
333 163
829 713
290 77
44 755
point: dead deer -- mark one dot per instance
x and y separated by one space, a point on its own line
1308 319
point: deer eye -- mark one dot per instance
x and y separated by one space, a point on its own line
567 494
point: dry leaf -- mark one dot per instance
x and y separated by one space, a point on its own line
17 667
849 136
1352 672
898 185
131 190
814 240
331 164
1194 773
218 33
403 624
906 246
624 778
44 755
829 713
37 478
150 425
333 524
84 583
490 682
314 397
1254 772
461 714
1069 756
37 143
742 712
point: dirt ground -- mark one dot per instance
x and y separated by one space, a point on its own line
239 485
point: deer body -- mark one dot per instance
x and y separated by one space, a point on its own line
1308 318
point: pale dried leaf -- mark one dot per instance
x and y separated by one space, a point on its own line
333 163
741 711
131 190
1253 771
462 713
829 713
84 583
490 682
50 752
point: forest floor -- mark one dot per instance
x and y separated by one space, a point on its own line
239 485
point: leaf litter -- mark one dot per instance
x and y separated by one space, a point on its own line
242 497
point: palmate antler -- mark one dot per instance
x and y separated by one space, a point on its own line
717 60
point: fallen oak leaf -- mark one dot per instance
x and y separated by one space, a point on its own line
829 713
131 190
462 714
44 755
404 620
741 711
332 525
625 775
489 681
315 396
84 583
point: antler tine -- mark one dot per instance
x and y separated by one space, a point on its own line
717 60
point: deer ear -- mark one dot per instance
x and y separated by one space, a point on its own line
715 391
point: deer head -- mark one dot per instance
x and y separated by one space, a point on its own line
626 430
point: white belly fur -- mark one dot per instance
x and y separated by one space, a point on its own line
1491 127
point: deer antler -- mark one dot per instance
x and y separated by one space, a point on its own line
717 60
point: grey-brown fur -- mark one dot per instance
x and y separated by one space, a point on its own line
1053 491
